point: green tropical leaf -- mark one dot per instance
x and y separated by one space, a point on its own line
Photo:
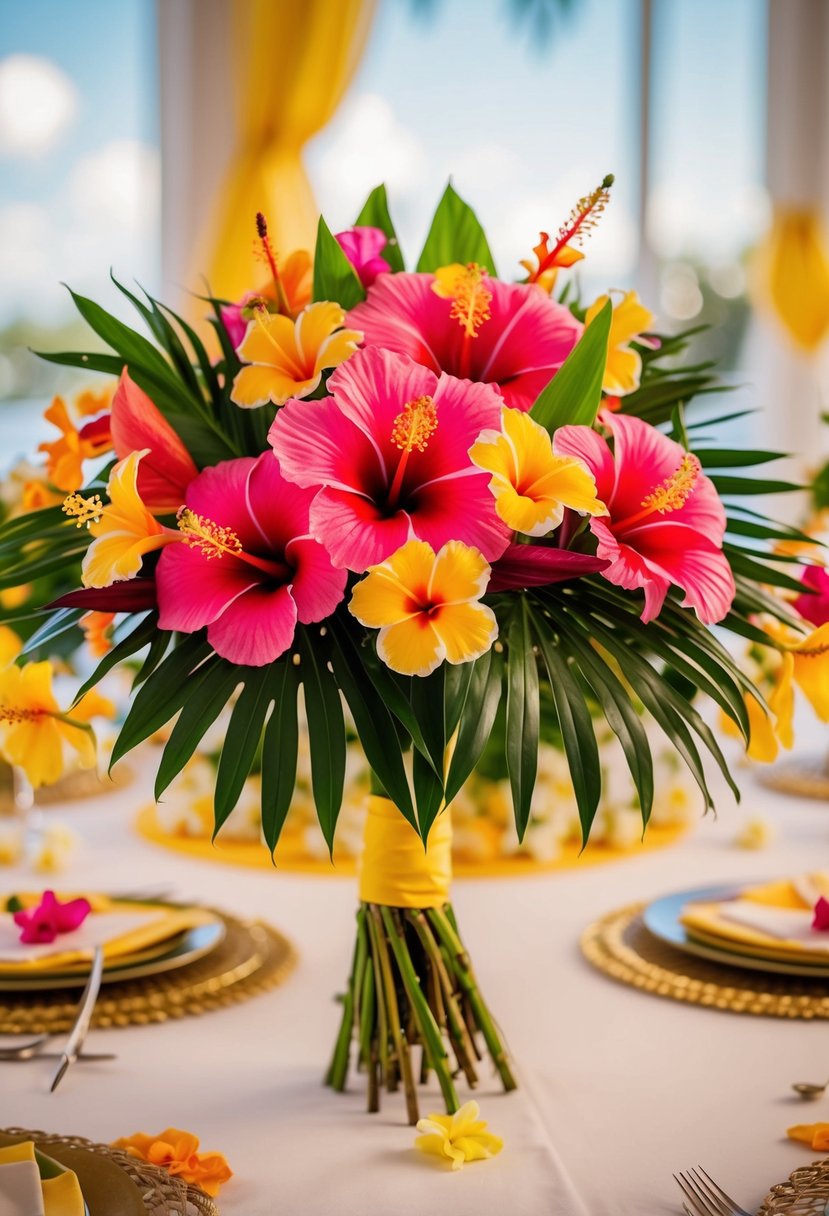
65 620
279 753
144 632
522 723
577 731
482 701
208 692
374 723
326 733
375 214
455 235
163 693
334 276
242 739
725 484
574 394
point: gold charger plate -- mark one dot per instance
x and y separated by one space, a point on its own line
186 948
620 946
252 958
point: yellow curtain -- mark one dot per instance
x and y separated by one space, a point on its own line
795 271
292 62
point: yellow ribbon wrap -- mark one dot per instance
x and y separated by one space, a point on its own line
395 869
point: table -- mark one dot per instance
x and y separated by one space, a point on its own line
618 1089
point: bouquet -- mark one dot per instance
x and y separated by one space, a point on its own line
427 500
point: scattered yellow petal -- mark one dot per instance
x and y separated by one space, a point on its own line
756 833
458 1138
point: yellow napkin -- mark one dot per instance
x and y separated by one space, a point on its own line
126 930
773 920
61 1195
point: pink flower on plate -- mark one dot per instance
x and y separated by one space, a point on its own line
363 246
386 457
666 522
522 336
821 917
43 923
813 604
248 569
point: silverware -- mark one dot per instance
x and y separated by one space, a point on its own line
33 1053
79 1031
807 1090
25 1050
704 1197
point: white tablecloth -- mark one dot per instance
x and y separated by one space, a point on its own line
618 1088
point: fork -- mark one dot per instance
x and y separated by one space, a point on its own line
704 1197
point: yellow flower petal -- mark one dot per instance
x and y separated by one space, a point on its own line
460 1137
459 573
411 647
623 371
630 319
10 645
810 659
124 532
36 747
466 631
269 340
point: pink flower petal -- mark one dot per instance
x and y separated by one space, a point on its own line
256 628
316 585
630 570
691 561
72 914
194 590
220 494
316 444
362 246
136 423
355 531
821 917
278 508
587 445
813 605
459 508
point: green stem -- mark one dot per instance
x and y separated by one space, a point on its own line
461 1041
462 969
427 1026
377 919
338 1068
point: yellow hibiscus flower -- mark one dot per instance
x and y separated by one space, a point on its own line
630 321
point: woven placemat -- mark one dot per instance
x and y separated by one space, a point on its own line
806 776
805 1194
160 1193
252 958
620 946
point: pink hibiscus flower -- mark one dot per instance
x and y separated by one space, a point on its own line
519 345
666 522
248 569
813 604
363 246
388 457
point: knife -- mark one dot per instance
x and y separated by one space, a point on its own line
79 1031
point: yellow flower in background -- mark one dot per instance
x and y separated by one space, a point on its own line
177 1152
286 358
123 529
426 606
33 727
803 663
458 1138
89 403
629 322
816 1135
65 455
10 646
532 485
97 628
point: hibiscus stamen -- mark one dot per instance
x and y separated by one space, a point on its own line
11 715
268 254
584 216
85 511
413 428
214 540
671 494
466 287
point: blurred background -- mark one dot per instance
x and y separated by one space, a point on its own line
142 136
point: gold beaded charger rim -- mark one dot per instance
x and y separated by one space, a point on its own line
156 1191
806 1193
621 947
252 958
